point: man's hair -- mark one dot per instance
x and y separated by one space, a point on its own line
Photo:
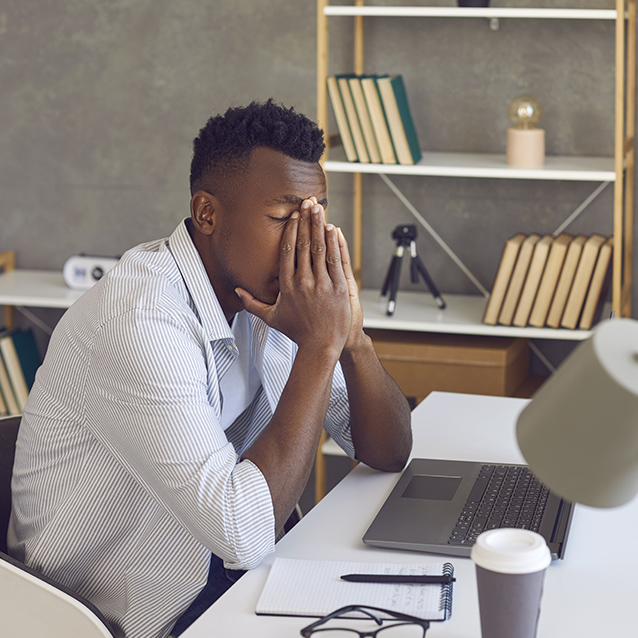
225 144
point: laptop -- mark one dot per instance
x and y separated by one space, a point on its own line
441 506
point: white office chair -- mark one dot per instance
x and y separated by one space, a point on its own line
31 605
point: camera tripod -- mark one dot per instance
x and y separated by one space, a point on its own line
405 236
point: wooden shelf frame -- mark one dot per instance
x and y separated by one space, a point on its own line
7 264
618 170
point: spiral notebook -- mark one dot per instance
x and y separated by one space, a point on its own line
297 587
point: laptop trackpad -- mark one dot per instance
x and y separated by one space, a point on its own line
431 487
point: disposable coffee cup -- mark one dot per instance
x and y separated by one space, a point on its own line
510 569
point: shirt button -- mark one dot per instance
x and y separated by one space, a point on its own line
230 347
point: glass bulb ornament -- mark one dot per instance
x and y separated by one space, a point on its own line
525 111
525 142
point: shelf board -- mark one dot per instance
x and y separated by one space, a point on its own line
36 289
456 12
438 164
415 311
418 312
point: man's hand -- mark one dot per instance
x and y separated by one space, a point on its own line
355 335
314 306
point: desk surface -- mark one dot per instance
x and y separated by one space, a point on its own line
416 311
36 289
591 593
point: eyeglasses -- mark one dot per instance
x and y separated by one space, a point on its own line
398 624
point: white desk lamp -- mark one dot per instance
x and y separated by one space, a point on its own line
579 434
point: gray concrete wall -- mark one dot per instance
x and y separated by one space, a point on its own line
100 101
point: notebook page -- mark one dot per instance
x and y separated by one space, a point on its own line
297 587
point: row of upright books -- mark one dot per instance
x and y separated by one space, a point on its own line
19 360
374 119
548 281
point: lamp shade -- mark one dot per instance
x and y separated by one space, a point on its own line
579 433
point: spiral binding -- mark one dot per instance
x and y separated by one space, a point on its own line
445 602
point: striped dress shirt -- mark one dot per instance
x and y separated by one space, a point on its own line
124 479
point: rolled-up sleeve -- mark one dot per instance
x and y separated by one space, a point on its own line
338 418
158 385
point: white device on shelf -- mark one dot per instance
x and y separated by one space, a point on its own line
83 271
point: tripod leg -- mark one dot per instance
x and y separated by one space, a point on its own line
398 260
429 281
390 274
414 270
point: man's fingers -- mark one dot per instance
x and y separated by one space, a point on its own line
253 305
303 239
318 240
345 255
288 243
333 254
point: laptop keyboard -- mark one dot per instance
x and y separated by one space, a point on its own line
502 496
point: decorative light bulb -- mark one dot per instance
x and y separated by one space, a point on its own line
525 111
525 142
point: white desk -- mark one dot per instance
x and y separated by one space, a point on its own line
591 593
36 289
415 311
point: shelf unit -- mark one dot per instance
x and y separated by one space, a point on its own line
464 312
618 170
24 289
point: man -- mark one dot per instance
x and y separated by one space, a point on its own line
173 424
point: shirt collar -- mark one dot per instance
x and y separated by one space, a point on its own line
199 287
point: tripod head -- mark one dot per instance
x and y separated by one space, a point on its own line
404 234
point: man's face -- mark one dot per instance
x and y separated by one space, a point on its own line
244 247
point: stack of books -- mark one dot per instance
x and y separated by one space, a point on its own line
19 360
374 119
548 281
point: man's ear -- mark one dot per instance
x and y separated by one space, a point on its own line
204 207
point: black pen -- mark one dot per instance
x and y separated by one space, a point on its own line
400 579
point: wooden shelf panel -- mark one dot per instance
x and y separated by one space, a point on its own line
36 289
456 12
418 312
490 166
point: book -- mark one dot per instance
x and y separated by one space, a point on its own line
598 287
503 275
582 279
519 274
299 587
532 281
353 119
565 280
28 354
395 103
341 119
364 119
378 118
3 406
14 369
8 395
21 358
549 280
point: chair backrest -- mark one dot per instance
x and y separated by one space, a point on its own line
8 435
32 606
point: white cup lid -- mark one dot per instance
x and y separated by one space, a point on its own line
511 551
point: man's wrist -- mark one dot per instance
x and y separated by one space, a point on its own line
361 347
323 356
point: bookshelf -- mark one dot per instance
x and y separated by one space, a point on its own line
23 288
618 169
464 312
